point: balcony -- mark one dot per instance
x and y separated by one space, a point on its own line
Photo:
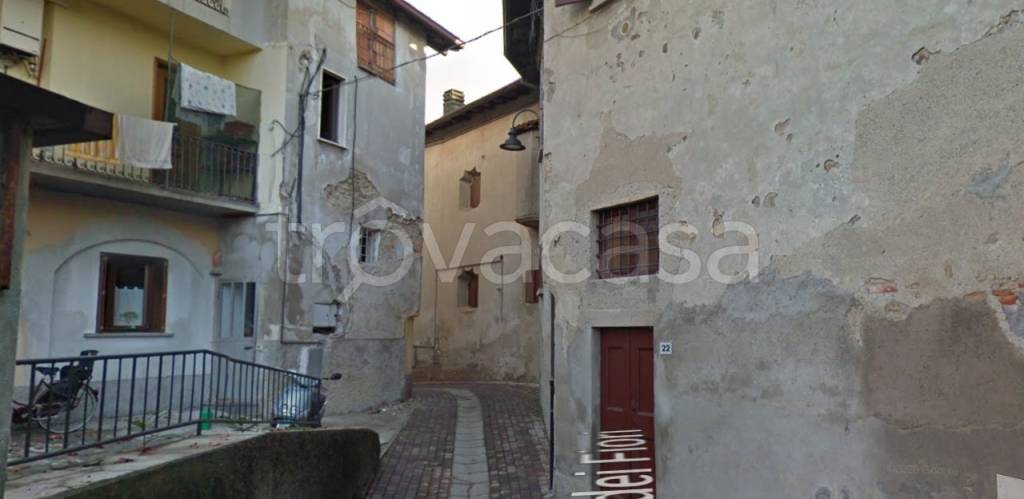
207 177
222 27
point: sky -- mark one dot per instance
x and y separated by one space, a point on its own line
478 69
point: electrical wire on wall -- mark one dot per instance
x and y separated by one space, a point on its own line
294 191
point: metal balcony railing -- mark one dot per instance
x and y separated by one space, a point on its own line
69 404
200 166
217 5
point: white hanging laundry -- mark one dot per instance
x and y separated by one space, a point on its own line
206 93
144 143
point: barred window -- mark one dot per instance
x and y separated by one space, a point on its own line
627 240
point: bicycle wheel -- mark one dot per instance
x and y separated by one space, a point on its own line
71 417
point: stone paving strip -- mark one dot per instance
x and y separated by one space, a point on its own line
469 468
468 440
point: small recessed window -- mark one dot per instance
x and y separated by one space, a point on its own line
369 245
627 240
469 189
133 294
330 107
469 289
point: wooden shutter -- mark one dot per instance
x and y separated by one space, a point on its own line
473 291
474 191
156 296
384 25
533 284
159 90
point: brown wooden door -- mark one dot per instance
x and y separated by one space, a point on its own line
627 389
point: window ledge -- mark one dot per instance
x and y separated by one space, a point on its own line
628 279
467 309
332 143
128 335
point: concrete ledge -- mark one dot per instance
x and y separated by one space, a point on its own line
325 463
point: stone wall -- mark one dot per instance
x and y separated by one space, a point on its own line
875 150
324 463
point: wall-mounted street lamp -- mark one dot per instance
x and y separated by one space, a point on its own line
512 143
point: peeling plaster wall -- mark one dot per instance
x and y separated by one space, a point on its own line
498 340
382 126
875 148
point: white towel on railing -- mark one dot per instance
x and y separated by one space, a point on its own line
144 143
207 93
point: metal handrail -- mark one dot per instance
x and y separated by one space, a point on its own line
127 396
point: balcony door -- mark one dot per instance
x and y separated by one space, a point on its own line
237 332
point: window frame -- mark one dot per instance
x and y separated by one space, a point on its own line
154 318
250 308
369 245
339 124
647 217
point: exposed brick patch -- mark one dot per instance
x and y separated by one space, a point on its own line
1006 296
419 461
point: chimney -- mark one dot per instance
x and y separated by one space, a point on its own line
453 101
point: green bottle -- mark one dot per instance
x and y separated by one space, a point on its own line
205 415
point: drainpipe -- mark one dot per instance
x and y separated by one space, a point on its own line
551 401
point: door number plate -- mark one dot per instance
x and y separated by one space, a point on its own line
665 348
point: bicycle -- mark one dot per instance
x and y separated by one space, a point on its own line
66 404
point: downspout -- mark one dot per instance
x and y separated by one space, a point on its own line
551 401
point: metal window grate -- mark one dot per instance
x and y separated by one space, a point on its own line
627 240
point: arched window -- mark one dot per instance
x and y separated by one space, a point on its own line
469 189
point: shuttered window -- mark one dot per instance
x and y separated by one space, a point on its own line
376 36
